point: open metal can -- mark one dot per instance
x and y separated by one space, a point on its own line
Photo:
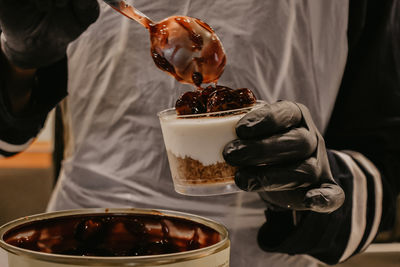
114 237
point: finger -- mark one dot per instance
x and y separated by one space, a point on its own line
278 178
324 199
291 199
306 116
86 11
269 120
327 198
294 145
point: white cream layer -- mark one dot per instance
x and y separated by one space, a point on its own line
202 139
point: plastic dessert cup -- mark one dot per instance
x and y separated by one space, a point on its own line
194 144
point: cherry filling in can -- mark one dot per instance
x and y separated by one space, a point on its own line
114 237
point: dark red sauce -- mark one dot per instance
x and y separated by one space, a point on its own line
112 235
214 99
188 49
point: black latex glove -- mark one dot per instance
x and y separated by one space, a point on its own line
36 32
281 155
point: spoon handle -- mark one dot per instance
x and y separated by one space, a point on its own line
130 12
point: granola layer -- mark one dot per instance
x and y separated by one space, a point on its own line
191 172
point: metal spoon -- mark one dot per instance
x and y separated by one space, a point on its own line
187 48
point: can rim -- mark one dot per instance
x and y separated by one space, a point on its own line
129 260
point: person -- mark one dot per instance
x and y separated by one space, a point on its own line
291 50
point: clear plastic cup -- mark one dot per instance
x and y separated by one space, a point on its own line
194 144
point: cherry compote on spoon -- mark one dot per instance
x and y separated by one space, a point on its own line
185 47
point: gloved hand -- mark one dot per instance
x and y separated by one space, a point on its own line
36 33
281 155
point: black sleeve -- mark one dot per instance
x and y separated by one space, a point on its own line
366 117
332 237
364 138
18 132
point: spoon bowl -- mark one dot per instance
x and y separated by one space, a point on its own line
186 48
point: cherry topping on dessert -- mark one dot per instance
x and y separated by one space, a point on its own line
213 99
245 97
224 99
206 92
190 103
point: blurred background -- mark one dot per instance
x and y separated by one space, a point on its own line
27 179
